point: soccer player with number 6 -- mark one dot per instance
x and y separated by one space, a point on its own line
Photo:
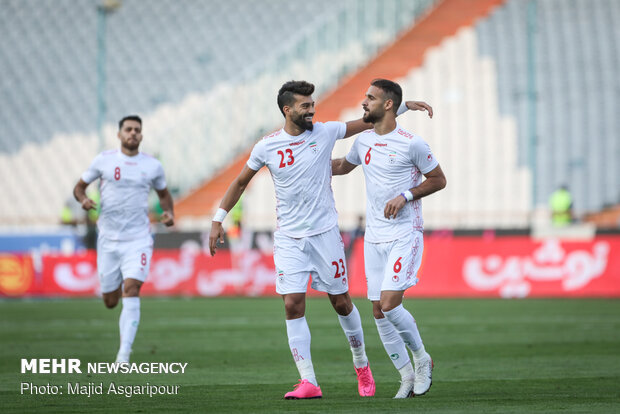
394 161
124 243
307 241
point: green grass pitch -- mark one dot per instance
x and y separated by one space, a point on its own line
490 356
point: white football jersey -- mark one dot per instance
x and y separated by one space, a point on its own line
125 185
392 163
301 170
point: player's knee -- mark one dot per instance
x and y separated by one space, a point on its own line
110 302
376 311
293 310
130 290
342 304
386 306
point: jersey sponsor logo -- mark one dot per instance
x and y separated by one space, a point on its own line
405 133
292 144
130 163
394 356
377 144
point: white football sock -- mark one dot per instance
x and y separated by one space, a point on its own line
407 329
352 327
128 322
299 342
393 343
407 371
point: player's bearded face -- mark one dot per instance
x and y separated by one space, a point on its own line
303 120
303 112
372 115
131 135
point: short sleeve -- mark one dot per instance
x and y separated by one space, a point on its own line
336 129
159 181
94 171
257 158
421 155
354 155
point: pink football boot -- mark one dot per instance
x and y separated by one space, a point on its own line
304 390
365 381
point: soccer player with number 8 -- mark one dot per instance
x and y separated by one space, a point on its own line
124 243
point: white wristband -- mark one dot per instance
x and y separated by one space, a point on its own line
220 215
408 195
402 108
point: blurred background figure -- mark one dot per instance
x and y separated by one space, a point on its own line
561 206
92 215
354 235
71 213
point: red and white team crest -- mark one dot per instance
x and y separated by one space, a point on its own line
395 278
429 157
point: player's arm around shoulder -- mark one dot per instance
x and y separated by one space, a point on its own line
233 194
359 125
417 106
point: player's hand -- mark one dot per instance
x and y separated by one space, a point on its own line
88 204
217 234
420 106
393 207
167 218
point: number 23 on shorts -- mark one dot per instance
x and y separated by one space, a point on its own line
340 270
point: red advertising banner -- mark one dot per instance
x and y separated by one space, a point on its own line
519 267
16 275
451 267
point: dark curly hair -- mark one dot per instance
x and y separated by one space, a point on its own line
289 89
392 90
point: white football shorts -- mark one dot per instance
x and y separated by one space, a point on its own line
393 265
123 259
320 256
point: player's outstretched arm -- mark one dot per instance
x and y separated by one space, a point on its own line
420 106
167 205
435 181
79 192
233 194
359 125
341 166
